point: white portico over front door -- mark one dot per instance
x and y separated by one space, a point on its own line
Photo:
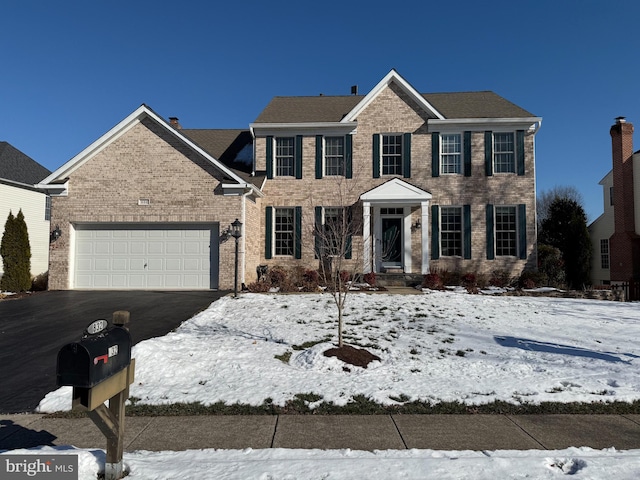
387 227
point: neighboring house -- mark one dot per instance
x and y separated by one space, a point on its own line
615 235
18 175
438 181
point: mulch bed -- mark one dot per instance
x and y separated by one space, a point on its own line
358 357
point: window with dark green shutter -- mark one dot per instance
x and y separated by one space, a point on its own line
435 154
467 154
488 153
318 231
268 222
406 155
298 233
298 155
435 232
376 155
466 217
269 155
318 156
520 151
522 231
348 156
490 239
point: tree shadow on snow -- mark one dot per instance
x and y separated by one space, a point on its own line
538 346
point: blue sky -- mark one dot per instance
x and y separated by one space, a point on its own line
71 70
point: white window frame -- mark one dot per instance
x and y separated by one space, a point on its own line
340 158
399 144
446 168
457 235
284 163
504 160
499 250
338 213
605 259
279 235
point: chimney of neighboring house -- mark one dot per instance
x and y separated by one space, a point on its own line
354 89
624 244
173 121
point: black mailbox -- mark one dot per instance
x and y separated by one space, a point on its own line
94 358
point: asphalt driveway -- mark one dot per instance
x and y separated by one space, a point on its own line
34 328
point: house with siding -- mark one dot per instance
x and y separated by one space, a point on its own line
434 181
615 235
19 174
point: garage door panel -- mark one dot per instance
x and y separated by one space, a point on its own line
143 256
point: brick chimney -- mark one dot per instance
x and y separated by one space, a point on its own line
624 244
173 121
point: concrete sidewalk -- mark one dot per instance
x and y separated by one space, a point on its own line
371 432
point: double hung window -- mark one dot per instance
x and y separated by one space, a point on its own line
506 231
451 153
285 156
284 229
504 160
604 253
334 156
391 154
451 231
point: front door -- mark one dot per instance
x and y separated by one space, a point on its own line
391 242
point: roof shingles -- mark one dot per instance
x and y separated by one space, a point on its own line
18 167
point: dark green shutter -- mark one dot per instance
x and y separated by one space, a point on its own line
269 157
268 235
347 230
435 232
298 233
318 231
467 154
298 154
406 155
488 153
376 155
318 156
435 154
466 218
348 156
520 152
522 231
490 248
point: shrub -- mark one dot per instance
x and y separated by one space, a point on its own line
500 278
40 282
311 276
276 276
531 279
551 264
432 281
450 278
259 287
344 277
468 280
370 278
16 255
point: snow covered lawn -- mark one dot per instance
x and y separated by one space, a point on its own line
436 346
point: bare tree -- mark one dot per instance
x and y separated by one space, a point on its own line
337 221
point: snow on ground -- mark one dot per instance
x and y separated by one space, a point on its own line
285 464
437 346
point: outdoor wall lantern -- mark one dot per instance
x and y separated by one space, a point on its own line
55 234
417 225
236 232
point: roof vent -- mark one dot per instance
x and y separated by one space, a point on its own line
621 120
354 89
173 121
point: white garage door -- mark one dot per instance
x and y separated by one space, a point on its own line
146 256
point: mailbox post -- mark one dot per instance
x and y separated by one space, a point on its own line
100 368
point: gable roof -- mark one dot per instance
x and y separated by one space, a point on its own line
223 144
19 167
58 179
455 105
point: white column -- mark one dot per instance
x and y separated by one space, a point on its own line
425 236
366 237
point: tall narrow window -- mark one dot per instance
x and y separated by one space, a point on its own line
334 156
506 231
392 154
334 229
604 253
47 208
503 153
451 231
451 154
285 156
284 231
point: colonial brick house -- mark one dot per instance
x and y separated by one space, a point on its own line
436 181
615 235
